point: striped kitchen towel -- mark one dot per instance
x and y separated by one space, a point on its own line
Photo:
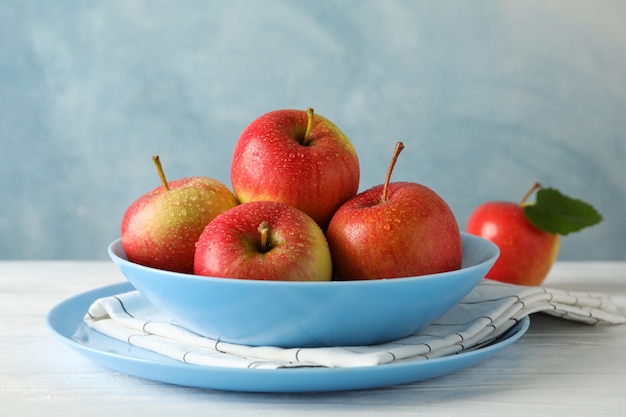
481 317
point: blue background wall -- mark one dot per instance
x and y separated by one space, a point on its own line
488 97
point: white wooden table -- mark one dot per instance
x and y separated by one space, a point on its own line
557 368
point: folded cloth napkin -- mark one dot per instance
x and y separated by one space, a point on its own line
481 317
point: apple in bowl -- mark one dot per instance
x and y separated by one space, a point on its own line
160 228
298 158
394 230
263 240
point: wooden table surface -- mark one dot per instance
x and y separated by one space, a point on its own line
558 368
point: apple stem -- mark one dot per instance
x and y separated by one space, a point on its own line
535 186
159 167
309 126
396 153
264 230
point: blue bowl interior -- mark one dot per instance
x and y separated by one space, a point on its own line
305 314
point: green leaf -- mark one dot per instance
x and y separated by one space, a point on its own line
559 214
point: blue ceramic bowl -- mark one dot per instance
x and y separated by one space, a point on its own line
303 314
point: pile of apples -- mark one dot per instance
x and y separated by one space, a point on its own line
294 213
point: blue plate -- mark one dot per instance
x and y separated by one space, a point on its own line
66 321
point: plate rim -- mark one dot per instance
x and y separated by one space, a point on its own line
261 380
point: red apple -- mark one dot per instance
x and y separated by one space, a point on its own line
264 240
526 253
298 158
394 230
528 235
160 228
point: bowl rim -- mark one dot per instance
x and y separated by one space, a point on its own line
116 245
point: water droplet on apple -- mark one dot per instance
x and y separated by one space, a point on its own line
183 212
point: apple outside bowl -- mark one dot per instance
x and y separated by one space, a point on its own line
308 314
